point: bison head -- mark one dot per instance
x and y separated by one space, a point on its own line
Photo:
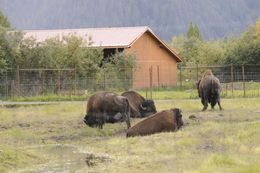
178 116
93 121
147 108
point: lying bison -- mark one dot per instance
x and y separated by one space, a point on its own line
138 105
108 107
168 120
209 90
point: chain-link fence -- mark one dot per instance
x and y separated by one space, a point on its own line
31 82
242 79
34 82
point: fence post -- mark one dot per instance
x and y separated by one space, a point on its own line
180 76
75 80
12 88
226 89
151 81
197 71
126 86
6 84
58 82
42 76
158 76
104 81
243 75
232 77
17 79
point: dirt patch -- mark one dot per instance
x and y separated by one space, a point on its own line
206 116
93 160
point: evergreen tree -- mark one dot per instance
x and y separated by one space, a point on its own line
4 21
197 32
194 31
191 30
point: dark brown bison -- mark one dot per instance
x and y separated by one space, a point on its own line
209 90
167 120
140 107
107 107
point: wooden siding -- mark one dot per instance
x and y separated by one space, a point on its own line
151 54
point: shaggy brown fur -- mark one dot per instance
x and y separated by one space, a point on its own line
167 120
108 107
209 90
140 107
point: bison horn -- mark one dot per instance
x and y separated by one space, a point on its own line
144 108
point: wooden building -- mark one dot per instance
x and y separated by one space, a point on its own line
156 62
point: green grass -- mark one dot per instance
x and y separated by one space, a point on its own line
11 158
47 98
217 141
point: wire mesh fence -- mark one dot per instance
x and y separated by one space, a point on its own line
243 80
34 82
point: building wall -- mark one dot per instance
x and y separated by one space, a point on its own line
150 55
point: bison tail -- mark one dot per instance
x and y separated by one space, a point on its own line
213 87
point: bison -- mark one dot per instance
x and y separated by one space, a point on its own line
107 107
165 121
139 106
209 90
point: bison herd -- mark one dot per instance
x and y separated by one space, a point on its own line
109 107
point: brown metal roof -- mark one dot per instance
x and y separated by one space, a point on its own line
115 37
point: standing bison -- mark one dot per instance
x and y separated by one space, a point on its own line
165 121
209 90
108 107
138 105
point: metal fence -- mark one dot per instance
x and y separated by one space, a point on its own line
32 82
243 78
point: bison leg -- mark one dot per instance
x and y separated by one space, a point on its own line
127 114
219 105
127 117
213 103
100 126
205 105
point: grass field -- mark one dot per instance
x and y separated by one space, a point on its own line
52 138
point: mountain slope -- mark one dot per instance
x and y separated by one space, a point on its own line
166 17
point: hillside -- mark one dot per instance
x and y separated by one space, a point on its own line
216 19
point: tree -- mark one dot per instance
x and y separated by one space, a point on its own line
257 27
5 49
4 21
193 31
244 49
120 69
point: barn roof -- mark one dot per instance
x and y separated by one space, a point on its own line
115 37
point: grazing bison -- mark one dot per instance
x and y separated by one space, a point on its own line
108 107
209 90
168 120
138 105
